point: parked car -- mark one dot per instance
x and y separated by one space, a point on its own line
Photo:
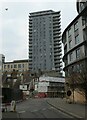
40 95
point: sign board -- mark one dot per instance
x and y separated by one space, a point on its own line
23 87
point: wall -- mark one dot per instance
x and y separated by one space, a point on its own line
79 97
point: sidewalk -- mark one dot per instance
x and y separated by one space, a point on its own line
75 110
10 115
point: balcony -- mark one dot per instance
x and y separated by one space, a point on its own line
30 35
56 43
30 54
57 58
56 33
57 50
57 54
57 47
56 17
30 22
56 22
56 26
58 65
30 19
30 60
30 29
30 49
30 25
30 46
30 32
30 43
59 69
57 61
57 37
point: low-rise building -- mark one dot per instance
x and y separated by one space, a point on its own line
52 86
15 73
20 65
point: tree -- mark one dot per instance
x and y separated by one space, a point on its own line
78 78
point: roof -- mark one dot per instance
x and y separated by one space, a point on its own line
17 61
42 13
52 79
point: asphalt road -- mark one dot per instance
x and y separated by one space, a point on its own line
36 108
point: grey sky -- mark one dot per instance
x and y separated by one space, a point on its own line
14 24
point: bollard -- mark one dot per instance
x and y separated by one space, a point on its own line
13 106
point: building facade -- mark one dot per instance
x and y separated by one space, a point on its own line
74 39
52 86
2 60
20 65
45 41
15 73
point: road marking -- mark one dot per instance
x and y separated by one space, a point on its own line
38 110
44 109
34 111
21 111
51 107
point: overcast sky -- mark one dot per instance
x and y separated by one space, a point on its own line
14 23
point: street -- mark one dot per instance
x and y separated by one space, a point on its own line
35 108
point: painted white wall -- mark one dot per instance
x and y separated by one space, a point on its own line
42 88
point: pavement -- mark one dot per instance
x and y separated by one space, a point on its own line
75 110
8 115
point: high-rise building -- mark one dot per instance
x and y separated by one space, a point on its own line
45 49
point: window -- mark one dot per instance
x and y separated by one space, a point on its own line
19 65
69 32
78 67
8 66
15 66
23 65
83 20
11 66
76 26
77 39
70 44
71 56
84 34
82 6
78 53
4 66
